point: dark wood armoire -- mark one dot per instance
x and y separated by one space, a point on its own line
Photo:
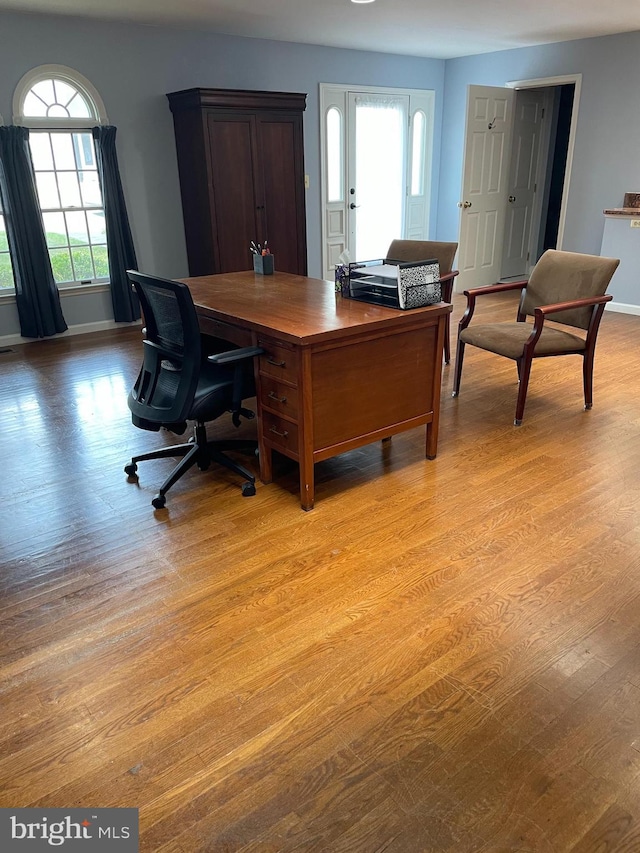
241 167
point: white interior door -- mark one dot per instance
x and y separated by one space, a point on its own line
485 185
376 170
525 147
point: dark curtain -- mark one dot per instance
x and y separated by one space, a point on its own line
37 296
122 255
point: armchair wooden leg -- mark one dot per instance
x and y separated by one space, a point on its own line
458 373
587 376
447 339
524 371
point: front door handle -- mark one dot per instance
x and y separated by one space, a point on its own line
353 206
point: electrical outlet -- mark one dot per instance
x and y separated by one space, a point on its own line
635 223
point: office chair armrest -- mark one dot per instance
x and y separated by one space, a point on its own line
574 303
499 287
234 355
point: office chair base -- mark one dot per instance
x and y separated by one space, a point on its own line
198 451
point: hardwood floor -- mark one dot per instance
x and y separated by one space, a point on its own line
442 656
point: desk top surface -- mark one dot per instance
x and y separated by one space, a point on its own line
296 308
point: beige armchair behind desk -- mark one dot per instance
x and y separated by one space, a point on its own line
444 253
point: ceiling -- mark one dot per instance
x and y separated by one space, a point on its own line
435 28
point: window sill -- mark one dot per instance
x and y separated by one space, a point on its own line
9 296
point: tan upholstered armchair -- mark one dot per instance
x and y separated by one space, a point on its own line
422 250
565 287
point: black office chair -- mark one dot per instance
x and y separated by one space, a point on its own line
178 383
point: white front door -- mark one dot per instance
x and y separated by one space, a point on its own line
485 185
376 170
525 147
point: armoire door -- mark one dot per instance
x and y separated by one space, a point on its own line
281 205
236 197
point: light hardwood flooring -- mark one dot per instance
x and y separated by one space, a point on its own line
443 656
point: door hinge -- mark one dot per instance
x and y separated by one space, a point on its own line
542 116
535 187
528 253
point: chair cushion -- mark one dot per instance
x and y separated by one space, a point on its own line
214 394
508 339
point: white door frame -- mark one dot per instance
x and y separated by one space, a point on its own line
542 83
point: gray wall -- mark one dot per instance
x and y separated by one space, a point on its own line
133 67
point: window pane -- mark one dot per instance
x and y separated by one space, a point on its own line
61 265
85 152
64 92
47 190
335 180
77 228
55 229
69 189
41 151
78 107
34 106
63 151
56 111
82 263
417 154
6 269
97 229
44 90
101 261
90 189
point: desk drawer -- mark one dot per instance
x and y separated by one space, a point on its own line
226 331
281 434
279 361
279 397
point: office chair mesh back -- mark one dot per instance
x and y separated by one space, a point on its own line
168 378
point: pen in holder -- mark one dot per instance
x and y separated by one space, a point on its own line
263 264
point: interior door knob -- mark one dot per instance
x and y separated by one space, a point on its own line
353 206
464 204
512 198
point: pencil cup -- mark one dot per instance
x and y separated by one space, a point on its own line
263 264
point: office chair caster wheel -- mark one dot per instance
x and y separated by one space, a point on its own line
248 489
130 469
158 502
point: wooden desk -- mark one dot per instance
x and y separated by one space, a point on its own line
335 373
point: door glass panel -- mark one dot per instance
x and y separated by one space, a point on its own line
380 145
335 165
417 154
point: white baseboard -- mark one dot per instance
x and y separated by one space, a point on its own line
622 308
81 329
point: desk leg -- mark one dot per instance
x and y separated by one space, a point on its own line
307 485
432 442
266 463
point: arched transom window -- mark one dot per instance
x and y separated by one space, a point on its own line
60 107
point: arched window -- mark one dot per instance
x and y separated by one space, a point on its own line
60 107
